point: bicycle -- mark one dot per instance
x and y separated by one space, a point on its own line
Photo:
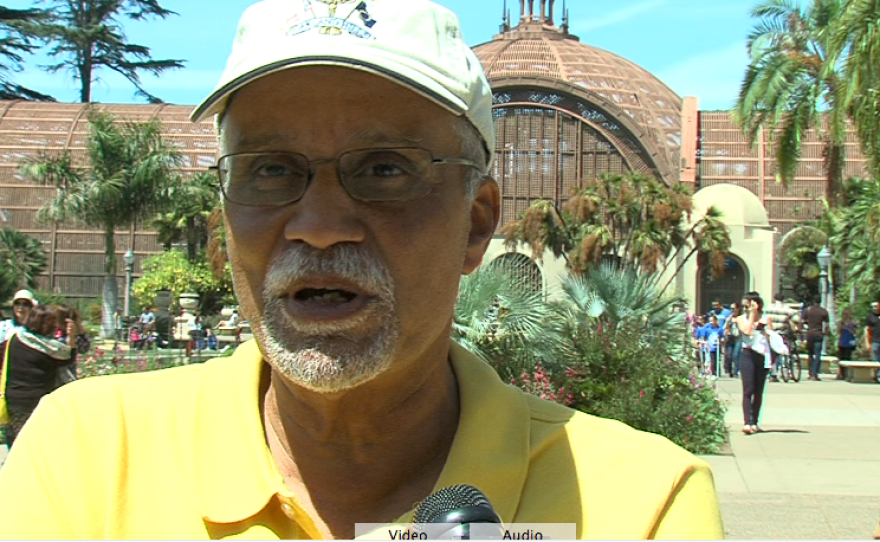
790 365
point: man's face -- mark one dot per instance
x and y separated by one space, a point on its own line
21 309
717 306
337 289
876 307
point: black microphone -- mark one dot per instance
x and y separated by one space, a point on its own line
462 505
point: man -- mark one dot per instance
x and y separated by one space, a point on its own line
783 319
147 320
354 144
22 303
817 328
872 322
721 312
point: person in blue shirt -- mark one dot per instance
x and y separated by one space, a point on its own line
713 336
721 312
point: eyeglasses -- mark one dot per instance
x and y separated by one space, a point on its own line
27 304
279 178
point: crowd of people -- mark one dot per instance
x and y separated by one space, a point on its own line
748 339
39 345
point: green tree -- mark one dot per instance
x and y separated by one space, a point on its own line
791 80
856 42
194 199
16 41
22 259
87 35
629 219
127 180
172 271
857 235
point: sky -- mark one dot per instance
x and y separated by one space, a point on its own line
696 47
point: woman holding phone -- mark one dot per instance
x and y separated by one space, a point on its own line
753 366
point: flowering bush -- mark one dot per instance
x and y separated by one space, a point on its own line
611 346
540 384
619 372
104 362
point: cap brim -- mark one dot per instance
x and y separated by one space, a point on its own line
417 82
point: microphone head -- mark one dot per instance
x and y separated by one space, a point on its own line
456 504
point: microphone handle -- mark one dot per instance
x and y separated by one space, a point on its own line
463 532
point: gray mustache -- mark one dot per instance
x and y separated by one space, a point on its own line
348 261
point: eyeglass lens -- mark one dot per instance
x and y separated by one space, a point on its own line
366 174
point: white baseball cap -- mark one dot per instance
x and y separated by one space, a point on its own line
26 295
415 43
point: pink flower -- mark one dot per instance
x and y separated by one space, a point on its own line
690 418
641 394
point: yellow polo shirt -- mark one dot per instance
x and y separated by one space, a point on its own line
181 453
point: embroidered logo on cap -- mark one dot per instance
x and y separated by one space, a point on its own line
356 21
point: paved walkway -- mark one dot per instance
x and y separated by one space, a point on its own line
814 473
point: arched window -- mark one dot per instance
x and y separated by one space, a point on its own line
527 275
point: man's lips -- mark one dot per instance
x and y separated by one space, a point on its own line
326 299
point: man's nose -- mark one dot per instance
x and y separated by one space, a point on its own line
326 214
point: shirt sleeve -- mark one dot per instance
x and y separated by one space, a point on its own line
693 512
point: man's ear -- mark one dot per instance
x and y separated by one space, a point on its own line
485 212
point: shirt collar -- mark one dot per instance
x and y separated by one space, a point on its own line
236 476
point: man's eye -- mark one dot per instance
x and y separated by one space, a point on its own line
385 170
269 170
383 166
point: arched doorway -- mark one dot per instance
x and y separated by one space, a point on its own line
525 272
726 289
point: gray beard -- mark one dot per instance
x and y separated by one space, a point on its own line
329 357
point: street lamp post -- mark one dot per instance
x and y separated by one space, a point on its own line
824 259
129 268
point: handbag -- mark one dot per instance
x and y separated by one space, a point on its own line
4 409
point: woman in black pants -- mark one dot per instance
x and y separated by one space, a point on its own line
752 361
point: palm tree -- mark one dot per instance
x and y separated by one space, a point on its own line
87 35
856 42
629 219
509 326
194 199
791 79
22 259
707 237
17 41
857 235
127 180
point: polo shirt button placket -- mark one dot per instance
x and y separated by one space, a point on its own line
289 511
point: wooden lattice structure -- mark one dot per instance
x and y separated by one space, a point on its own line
725 156
564 112
76 252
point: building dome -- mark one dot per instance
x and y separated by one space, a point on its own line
740 207
536 54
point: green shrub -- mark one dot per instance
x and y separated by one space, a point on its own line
172 271
620 372
612 346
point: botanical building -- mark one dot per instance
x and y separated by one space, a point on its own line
564 112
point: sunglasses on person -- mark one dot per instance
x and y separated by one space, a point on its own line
27 304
